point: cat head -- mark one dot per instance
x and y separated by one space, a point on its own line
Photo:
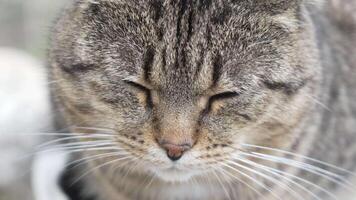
184 84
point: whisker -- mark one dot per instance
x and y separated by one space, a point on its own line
50 134
225 178
223 171
292 176
52 82
143 182
94 129
79 147
318 102
93 149
254 180
78 162
135 165
151 181
116 167
98 167
84 144
96 136
222 185
67 150
306 167
300 165
301 156
194 181
207 179
271 179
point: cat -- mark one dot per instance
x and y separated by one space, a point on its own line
202 99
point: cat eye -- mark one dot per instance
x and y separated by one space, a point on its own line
219 97
137 86
224 95
143 89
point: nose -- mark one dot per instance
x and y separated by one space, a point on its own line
175 151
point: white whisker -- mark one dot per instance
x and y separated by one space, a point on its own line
98 167
51 134
84 144
222 185
132 168
95 157
303 166
68 150
94 129
301 156
307 167
150 182
223 171
271 179
78 147
116 167
318 102
254 180
300 179
95 136
278 173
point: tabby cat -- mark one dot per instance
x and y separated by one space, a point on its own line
206 99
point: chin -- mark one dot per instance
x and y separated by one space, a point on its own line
173 175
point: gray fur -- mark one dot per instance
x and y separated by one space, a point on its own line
287 63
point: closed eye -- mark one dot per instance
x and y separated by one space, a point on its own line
143 89
220 97
137 86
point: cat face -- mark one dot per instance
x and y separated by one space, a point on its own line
184 84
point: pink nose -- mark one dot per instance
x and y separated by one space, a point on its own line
175 152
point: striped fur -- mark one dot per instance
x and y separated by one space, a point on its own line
219 74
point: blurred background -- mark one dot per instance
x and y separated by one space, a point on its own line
25 24
24 103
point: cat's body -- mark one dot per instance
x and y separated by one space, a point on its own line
206 81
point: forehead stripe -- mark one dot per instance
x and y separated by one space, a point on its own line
148 62
217 70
